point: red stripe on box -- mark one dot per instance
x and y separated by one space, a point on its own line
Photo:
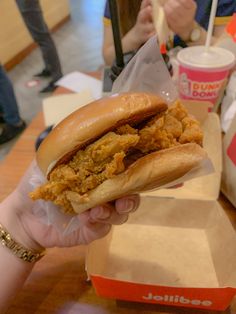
203 298
231 151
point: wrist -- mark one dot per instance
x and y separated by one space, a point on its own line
131 40
12 213
197 36
185 35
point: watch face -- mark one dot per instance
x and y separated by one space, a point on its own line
195 35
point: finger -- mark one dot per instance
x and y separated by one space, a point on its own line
168 10
94 231
116 219
108 215
151 34
171 14
91 231
173 24
172 9
127 204
188 4
145 3
149 28
180 7
101 212
90 218
100 230
145 15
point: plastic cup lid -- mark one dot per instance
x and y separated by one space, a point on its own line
196 56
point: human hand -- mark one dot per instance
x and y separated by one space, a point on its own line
180 15
144 27
18 216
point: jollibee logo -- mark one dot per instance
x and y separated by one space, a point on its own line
175 299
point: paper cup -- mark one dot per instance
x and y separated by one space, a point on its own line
203 75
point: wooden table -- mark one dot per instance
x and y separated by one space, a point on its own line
58 283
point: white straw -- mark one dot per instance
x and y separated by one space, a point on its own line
211 24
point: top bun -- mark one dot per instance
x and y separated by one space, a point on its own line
90 122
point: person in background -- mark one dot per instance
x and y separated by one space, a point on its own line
188 19
12 124
136 27
33 17
31 236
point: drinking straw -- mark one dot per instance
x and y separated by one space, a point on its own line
116 33
211 24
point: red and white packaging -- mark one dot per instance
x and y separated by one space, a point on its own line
178 248
203 75
228 186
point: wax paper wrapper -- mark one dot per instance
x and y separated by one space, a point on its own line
48 213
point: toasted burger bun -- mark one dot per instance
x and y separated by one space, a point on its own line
91 122
147 173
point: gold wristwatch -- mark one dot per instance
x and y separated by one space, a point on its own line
195 34
19 250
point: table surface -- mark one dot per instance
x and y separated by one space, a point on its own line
58 283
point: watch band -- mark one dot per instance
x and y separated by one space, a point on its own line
17 249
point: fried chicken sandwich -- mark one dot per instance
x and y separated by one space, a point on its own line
115 146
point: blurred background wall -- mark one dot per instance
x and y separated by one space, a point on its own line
15 41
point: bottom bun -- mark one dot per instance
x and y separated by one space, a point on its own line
147 173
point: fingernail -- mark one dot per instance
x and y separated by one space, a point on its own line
102 213
106 214
128 206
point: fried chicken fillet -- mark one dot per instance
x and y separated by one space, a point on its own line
115 151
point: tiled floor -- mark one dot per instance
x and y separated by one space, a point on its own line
79 46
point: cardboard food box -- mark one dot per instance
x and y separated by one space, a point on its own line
228 186
178 248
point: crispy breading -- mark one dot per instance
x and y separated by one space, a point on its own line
90 167
191 132
108 155
169 129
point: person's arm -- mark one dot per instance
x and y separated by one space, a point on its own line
138 35
180 15
129 43
217 33
26 228
13 270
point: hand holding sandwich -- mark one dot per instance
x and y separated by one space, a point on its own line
17 218
92 224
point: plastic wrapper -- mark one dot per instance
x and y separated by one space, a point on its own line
146 72
50 214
